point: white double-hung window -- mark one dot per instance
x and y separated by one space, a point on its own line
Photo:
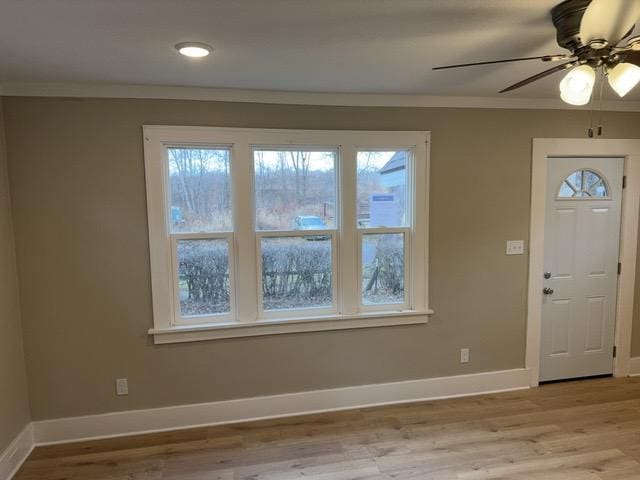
256 232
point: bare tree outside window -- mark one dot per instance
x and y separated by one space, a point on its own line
200 190
291 184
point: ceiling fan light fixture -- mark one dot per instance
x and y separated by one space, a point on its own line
577 85
623 77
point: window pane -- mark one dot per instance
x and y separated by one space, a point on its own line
382 268
296 272
295 189
566 190
199 190
583 184
203 277
383 188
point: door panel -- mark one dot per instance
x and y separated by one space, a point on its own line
597 221
594 341
559 313
565 222
582 230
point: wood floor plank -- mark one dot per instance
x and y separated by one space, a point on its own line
587 430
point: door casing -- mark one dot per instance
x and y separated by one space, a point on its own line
572 147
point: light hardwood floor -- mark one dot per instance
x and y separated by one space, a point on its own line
584 430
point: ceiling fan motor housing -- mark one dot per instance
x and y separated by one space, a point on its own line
567 17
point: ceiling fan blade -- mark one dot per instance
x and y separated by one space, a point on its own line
544 58
538 76
609 20
631 57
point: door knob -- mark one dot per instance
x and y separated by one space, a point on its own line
547 291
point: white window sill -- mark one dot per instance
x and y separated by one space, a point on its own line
212 331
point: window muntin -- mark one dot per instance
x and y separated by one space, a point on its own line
247 308
199 185
584 183
295 189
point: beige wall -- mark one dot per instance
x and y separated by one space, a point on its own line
80 218
14 403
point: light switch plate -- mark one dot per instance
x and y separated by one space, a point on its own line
515 247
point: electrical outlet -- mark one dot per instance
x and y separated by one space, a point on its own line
515 247
464 355
122 386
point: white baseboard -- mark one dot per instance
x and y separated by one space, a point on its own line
290 404
634 366
16 453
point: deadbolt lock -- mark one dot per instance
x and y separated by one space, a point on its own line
547 275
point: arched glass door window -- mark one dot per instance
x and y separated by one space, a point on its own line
584 184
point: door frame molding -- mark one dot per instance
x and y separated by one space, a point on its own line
573 147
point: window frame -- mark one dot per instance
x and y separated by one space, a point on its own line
406 230
333 309
177 318
247 317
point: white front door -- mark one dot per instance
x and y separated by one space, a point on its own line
582 232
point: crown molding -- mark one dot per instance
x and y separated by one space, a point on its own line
87 90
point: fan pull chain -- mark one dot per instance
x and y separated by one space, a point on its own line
590 130
600 128
591 109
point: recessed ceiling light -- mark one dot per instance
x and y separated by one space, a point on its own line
194 49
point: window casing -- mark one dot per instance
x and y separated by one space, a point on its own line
378 271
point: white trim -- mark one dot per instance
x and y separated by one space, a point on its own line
241 410
548 147
16 453
634 367
250 320
197 332
293 98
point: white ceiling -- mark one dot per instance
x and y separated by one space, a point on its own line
348 46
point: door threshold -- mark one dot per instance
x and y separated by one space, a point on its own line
576 379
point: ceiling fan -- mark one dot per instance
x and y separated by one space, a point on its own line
596 34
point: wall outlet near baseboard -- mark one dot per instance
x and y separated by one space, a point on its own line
122 386
464 355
